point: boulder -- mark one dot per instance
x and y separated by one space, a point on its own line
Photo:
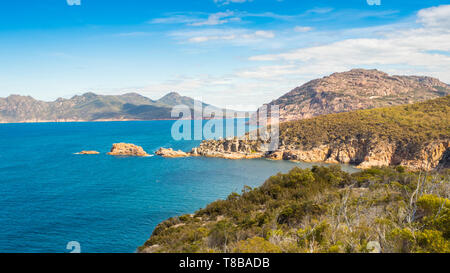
124 149
277 155
171 153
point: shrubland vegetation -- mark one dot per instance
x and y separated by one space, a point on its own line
411 125
323 209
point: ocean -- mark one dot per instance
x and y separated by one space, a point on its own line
50 196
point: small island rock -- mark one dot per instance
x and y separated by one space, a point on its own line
125 149
88 153
171 153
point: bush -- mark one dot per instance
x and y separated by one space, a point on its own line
223 233
319 210
256 245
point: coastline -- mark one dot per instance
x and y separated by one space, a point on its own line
360 154
104 120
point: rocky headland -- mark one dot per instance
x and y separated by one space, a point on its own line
363 153
414 136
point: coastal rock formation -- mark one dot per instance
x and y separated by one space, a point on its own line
124 149
170 153
230 148
415 136
354 90
88 153
445 161
367 154
224 148
361 153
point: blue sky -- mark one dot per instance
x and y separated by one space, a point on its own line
227 52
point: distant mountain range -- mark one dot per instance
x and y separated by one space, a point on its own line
354 90
340 92
93 107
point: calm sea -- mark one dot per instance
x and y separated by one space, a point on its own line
50 196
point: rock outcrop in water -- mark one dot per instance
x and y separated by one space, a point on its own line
88 153
170 153
125 149
224 148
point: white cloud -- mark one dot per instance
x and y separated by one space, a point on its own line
404 48
199 19
225 91
175 19
237 36
302 29
435 17
217 19
259 34
227 2
420 50
202 39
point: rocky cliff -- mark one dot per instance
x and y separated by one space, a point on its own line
367 153
354 90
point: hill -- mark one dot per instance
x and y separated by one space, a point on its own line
91 107
415 135
354 90
320 210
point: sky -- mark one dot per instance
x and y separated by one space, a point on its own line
230 53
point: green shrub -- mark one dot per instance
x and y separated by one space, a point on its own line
256 245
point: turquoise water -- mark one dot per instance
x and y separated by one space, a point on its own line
50 196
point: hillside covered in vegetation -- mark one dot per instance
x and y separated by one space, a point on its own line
320 210
416 136
412 123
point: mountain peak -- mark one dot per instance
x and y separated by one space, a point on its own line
89 95
172 95
356 89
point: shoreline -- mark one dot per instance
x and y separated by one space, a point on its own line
242 156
